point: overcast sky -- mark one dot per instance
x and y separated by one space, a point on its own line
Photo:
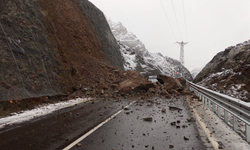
211 25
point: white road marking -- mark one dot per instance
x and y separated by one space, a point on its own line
95 128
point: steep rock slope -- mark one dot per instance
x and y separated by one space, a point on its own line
54 47
137 57
228 72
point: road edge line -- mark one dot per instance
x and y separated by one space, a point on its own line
203 126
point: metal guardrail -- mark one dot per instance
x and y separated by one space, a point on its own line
239 109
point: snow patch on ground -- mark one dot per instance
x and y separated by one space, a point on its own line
39 111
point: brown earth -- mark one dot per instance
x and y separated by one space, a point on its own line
84 69
74 43
126 84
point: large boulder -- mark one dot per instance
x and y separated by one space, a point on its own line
134 83
169 82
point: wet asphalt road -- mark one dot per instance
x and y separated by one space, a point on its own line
126 131
57 130
129 131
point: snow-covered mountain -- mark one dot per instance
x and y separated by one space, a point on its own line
137 57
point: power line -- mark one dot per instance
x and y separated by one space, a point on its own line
176 18
185 19
168 20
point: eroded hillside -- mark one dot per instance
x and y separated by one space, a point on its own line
53 48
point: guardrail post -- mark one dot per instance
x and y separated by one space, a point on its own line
213 107
209 104
218 111
247 133
235 124
205 99
225 116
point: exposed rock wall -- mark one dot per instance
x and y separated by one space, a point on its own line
53 47
28 67
103 32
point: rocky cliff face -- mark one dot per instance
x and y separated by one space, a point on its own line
137 57
53 47
228 72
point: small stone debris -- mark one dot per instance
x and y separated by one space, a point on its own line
174 108
220 145
178 121
146 146
133 146
127 113
184 126
178 127
171 146
185 138
190 119
78 144
126 108
163 110
149 119
173 123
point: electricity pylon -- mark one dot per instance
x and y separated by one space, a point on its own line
182 52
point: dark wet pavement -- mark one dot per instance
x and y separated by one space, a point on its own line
59 129
169 129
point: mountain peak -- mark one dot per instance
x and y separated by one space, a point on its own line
137 57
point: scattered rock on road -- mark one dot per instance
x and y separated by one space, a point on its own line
149 119
185 138
174 108
173 123
191 119
171 146
78 144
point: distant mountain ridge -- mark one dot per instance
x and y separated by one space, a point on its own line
137 57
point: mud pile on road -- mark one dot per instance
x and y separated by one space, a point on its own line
168 86
132 84
107 82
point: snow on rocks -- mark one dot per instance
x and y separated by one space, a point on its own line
137 57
